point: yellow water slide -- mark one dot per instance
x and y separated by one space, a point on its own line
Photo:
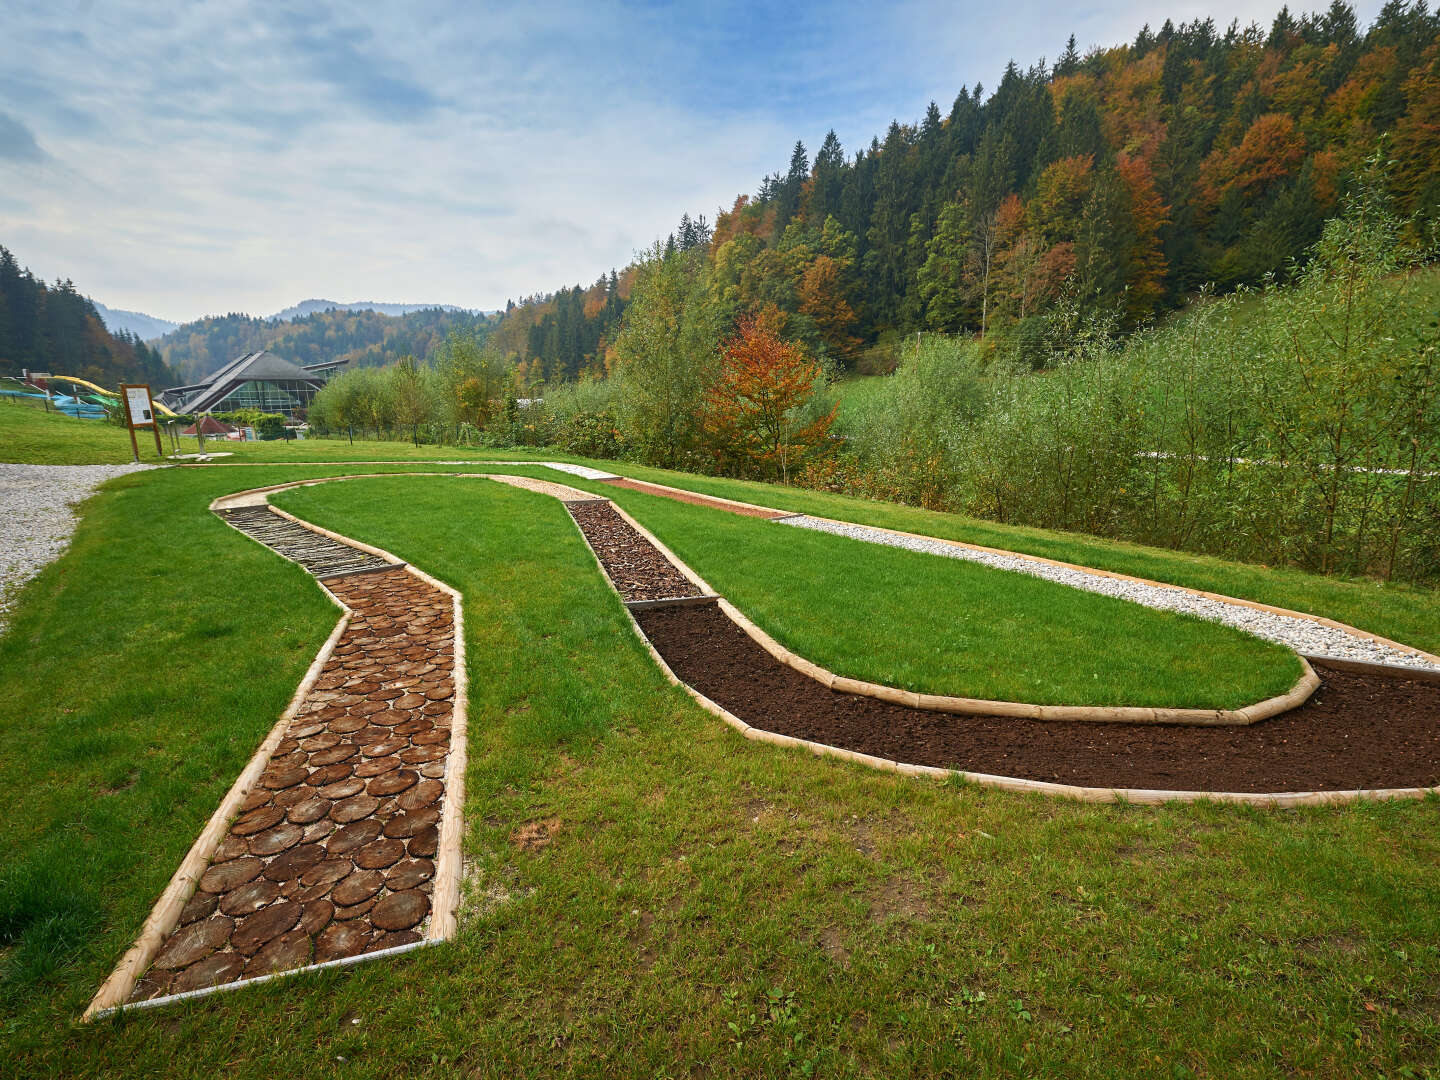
102 390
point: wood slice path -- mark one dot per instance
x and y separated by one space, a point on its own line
333 849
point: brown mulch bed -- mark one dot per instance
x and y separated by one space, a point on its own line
697 500
1356 731
638 570
333 852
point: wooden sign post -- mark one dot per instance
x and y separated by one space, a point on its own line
139 413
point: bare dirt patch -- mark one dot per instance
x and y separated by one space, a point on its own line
1356 731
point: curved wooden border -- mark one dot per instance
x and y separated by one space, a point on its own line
1139 796
1306 685
112 995
1220 597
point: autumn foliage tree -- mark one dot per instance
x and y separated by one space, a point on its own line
754 409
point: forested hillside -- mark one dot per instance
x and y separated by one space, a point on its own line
54 328
364 337
1127 177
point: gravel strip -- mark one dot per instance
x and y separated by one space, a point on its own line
1302 635
37 517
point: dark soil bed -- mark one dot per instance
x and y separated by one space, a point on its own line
1356 731
638 570
696 500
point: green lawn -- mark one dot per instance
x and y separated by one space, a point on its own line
943 626
704 906
1406 613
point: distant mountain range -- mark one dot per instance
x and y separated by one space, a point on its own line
150 328
146 327
309 307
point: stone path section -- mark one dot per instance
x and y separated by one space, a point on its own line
316 552
1302 635
333 854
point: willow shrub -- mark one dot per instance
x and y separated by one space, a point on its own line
1296 425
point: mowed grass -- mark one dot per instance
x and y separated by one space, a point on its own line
1406 613
703 905
33 436
1410 614
943 626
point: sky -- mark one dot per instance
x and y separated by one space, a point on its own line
212 156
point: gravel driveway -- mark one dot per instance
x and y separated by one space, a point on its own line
37 517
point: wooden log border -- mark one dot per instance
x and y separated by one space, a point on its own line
443 921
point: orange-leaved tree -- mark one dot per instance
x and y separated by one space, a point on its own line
753 408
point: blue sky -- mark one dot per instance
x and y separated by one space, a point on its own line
225 155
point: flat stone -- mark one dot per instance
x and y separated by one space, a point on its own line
212 971
424 844
357 888
316 917
327 872
273 841
377 766
318 830
282 776
200 906
194 942
305 730
312 809
379 854
352 836
412 824
400 910
409 874
394 939
290 796
384 747
332 756
249 898
258 821
391 717
265 925
422 795
287 951
339 940
342 789
392 783
294 862
329 774
225 876
353 808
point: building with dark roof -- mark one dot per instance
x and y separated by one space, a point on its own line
258 380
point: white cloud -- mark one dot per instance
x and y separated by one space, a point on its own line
222 156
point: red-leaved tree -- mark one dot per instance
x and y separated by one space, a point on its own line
752 410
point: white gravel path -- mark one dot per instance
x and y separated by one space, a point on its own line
1302 635
37 517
